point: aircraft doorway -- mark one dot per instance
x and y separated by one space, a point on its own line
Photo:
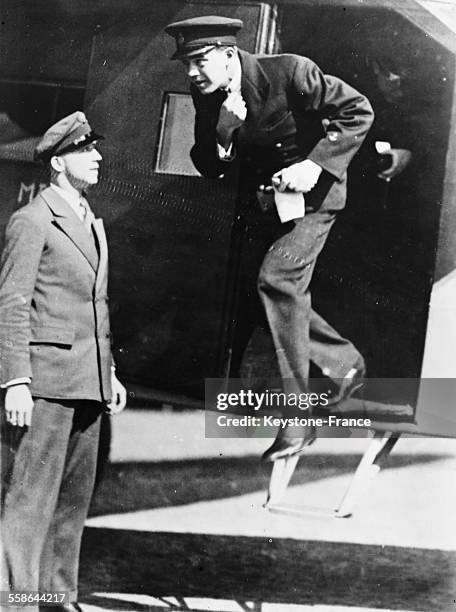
374 278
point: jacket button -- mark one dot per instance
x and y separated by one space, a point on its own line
278 145
108 335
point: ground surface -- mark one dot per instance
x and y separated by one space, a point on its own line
177 524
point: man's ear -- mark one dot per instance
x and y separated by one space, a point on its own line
57 163
230 51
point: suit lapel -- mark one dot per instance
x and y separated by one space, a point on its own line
66 219
254 86
100 235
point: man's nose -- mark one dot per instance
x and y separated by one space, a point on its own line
97 155
192 70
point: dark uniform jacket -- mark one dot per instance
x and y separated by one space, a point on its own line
294 112
54 321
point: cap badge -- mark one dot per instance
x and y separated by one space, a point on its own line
80 139
180 39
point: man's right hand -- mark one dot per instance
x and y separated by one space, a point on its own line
19 405
231 116
400 159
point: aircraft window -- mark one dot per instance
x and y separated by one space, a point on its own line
176 136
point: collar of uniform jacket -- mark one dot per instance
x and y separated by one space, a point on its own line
73 200
61 202
254 82
71 225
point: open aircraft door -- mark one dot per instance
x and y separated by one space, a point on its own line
169 229
386 276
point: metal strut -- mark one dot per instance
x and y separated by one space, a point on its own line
378 450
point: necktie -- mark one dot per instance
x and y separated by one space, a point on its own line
88 215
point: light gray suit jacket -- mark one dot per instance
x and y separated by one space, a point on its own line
54 320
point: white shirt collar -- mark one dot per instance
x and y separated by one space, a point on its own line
72 199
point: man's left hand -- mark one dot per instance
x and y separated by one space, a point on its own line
119 396
302 176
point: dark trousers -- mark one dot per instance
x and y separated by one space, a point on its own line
48 473
280 259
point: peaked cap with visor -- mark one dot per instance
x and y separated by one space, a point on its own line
197 35
69 134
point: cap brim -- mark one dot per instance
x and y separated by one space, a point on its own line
93 137
89 139
193 53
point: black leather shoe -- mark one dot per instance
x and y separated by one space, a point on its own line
284 447
353 381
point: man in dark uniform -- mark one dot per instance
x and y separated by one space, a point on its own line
294 131
56 368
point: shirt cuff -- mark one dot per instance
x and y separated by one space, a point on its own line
16 381
225 154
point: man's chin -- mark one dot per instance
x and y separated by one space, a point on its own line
83 184
207 89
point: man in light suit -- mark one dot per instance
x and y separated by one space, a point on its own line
55 366
293 131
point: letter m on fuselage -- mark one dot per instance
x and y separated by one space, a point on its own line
28 192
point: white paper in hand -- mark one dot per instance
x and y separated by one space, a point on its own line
290 205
